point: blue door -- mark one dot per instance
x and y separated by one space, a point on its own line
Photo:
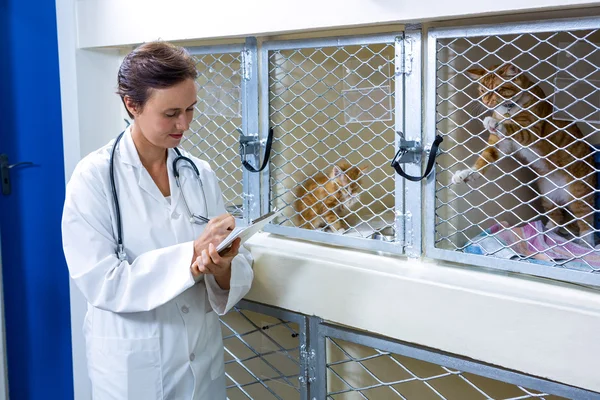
34 273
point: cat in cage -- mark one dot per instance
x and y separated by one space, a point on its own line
521 125
324 201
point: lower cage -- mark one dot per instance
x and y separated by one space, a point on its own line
271 353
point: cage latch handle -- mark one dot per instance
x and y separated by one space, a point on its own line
250 145
410 152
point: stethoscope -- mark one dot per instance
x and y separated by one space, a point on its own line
194 218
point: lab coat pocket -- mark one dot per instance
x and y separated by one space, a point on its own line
125 368
215 345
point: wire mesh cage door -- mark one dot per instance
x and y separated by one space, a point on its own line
227 104
265 353
358 365
333 105
516 186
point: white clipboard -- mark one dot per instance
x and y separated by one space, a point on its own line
247 232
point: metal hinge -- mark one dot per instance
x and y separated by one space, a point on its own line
309 375
246 64
406 234
408 230
404 54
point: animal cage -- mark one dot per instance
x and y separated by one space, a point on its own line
341 108
356 99
336 107
523 99
272 353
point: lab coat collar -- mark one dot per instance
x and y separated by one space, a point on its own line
129 155
127 151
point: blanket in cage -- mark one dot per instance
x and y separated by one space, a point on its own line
531 243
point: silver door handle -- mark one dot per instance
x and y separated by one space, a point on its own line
5 168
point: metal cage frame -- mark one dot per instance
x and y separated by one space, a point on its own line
314 334
435 34
407 107
409 100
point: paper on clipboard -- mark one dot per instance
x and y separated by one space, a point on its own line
247 231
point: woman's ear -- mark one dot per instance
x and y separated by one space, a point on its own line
131 106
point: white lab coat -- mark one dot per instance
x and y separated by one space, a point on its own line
151 332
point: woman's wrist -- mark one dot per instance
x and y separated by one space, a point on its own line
224 280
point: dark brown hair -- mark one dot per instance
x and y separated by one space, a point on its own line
153 65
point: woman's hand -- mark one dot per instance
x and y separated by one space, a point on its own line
219 265
206 260
215 232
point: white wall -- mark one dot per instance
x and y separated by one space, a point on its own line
90 118
523 317
100 108
136 21
67 44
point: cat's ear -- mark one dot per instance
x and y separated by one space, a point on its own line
338 173
475 73
510 70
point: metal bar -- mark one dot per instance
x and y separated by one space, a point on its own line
236 384
328 42
399 120
455 362
250 127
412 131
523 267
304 363
264 380
265 124
255 357
341 240
516 27
218 49
430 132
271 311
318 387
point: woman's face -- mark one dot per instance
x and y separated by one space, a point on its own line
167 114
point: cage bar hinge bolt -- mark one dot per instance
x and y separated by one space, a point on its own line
408 230
404 55
310 365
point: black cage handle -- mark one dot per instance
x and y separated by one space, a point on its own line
430 162
247 142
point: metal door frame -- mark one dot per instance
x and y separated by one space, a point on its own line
400 100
